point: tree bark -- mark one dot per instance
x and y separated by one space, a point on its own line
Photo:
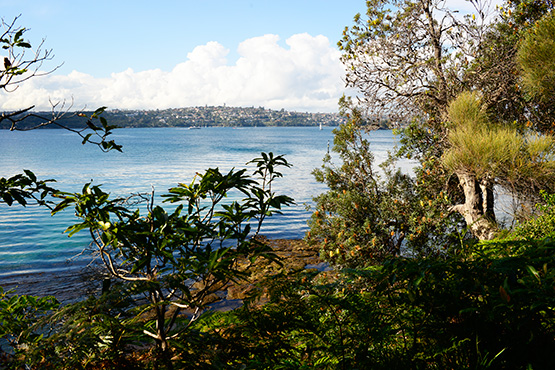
478 203
488 200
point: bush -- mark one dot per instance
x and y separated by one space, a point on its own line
543 225
366 217
489 308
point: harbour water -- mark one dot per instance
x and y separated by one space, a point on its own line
32 241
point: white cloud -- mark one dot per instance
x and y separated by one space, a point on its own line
306 75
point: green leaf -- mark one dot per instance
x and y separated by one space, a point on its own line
18 34
98 112
7 198
72 230
92 126
534 272
86 138
140 264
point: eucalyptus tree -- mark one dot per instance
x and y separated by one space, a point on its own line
406 58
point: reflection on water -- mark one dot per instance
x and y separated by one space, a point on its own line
31 240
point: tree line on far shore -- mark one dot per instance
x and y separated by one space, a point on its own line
207 116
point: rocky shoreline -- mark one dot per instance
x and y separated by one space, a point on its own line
71 285
294 255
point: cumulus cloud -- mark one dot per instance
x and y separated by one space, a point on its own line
304 75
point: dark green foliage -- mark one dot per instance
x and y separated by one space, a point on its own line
497 72
536 56
96 332
20 325
93 333
490 307
24 188
542 225
367 216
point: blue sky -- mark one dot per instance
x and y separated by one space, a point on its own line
101 37
163 54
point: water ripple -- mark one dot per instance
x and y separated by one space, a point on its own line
33 241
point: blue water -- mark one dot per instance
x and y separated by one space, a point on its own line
32 241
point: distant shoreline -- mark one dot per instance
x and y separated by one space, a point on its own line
207 116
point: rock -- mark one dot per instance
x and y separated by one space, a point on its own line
294 255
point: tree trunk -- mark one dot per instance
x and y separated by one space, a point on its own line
163 347
486 188
477 207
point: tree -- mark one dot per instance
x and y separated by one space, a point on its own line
349 222
410 60
367 216
177 259
496 71
483 154
536 58
406 59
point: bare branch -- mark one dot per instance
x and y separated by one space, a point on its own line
18 68
405 60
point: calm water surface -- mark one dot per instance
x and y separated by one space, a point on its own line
33 241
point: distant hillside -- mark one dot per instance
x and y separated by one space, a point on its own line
200 116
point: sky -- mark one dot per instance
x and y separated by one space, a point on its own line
170 54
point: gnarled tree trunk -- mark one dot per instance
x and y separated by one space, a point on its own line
478 207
